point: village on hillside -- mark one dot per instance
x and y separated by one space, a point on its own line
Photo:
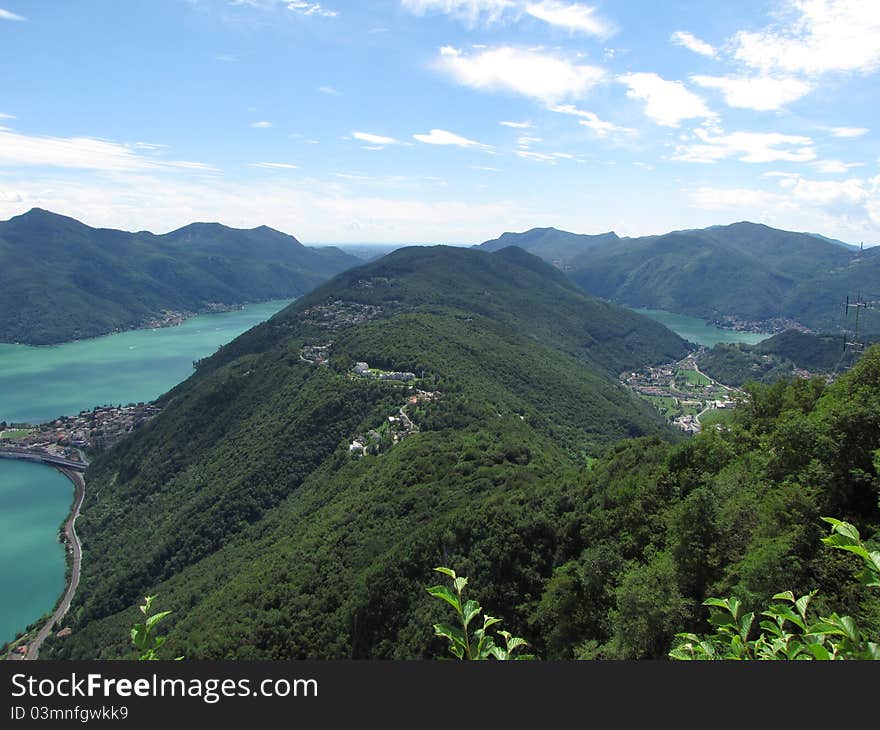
681 392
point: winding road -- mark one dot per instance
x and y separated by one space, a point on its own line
75 548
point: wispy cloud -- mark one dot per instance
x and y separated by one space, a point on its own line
85 153
590 120
260 125
835 167
442 137
692 43
571 16
848 132
306 8
329 90
275 165
517 125
668 103
374 139
470 11
761 93
6 116
753 147
9 15
574 17
549 78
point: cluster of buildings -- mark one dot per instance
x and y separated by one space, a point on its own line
393 430
338 314
365 371
99 428
316 354
676 395
773 325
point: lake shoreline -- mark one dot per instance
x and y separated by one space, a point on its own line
171 318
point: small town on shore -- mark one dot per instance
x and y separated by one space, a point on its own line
100 428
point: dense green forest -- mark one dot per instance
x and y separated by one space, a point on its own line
745 270
241 506
778 357
62 280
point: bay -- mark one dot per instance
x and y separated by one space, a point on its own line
698 331
41 383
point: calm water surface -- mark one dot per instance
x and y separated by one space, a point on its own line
42 383
696 330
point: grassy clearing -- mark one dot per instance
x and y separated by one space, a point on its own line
17 433
716 416
692 377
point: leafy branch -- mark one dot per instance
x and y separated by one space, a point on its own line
787 631
479 645
142 636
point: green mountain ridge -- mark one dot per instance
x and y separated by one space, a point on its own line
744 270
250 457
62 280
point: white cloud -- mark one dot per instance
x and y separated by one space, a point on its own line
526 141
6 116
833 167
692 43
260 125
329 90
571 16
848 132
666 102
753 147
537 75
8 15
539 156
819 36
80 152
275 165
761 93
312 210
517 125
305 8
592 121
373 139
844 208
442 137
470 11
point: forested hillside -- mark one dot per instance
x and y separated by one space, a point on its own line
745 270
250 461
780 356
62 280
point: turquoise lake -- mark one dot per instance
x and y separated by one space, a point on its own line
34 502
42 383
696 330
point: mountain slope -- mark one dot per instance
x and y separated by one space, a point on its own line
248 467
744 270
63 280
551 244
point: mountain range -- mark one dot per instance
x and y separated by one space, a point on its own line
246 503
744 271
62 280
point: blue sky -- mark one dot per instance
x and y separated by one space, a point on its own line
443 120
